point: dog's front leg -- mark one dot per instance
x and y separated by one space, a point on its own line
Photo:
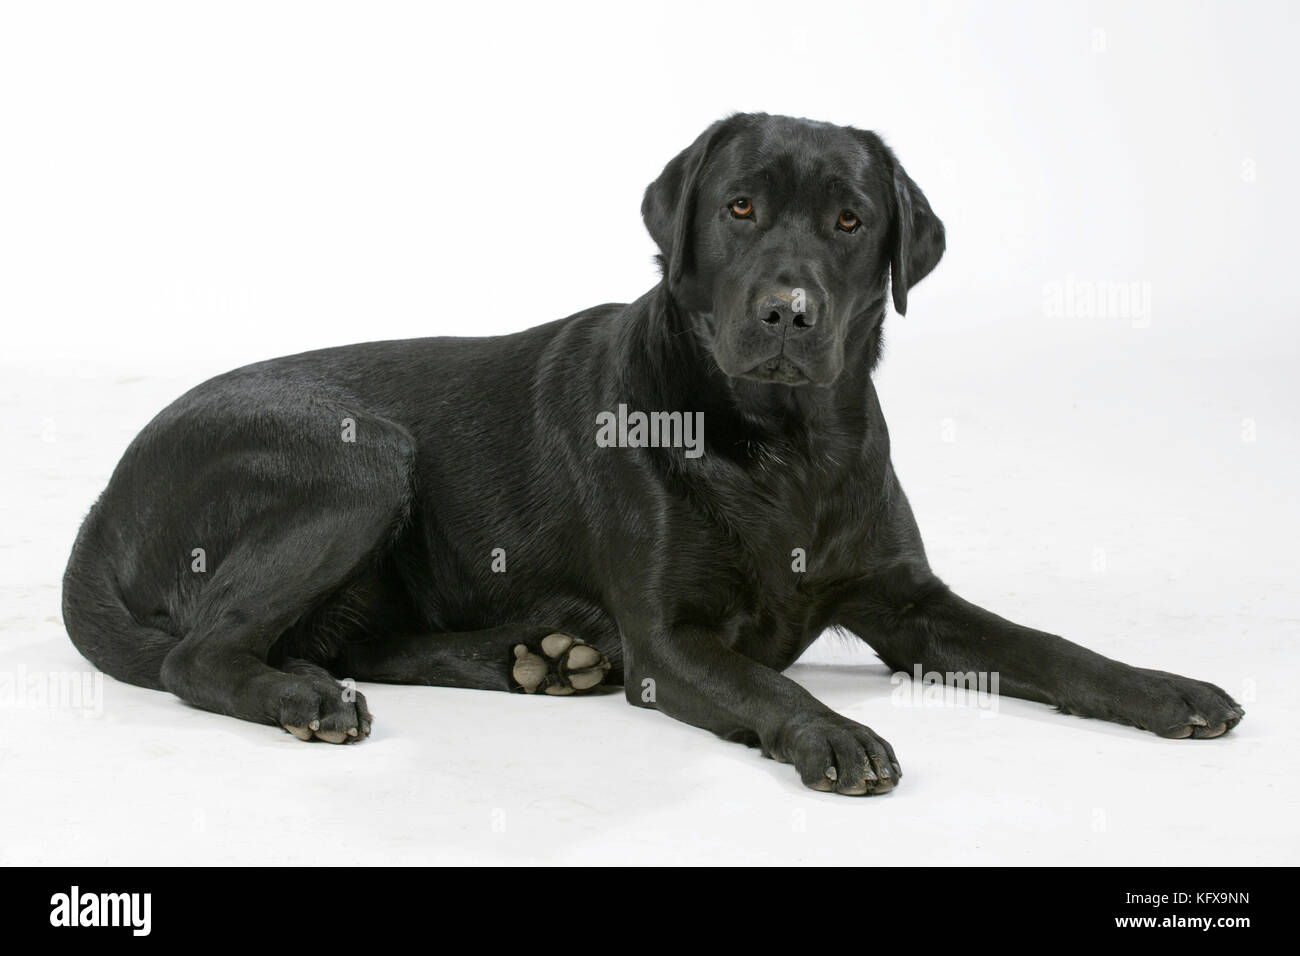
913 620
690 674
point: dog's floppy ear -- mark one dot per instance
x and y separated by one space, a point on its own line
918 238
668 207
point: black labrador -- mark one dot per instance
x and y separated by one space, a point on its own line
677 495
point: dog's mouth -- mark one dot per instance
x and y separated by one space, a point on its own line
778 369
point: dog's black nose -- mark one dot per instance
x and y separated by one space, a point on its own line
792 309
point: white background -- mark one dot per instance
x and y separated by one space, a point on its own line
184 188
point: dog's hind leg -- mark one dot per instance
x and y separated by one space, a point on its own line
285 546
513 657
271 578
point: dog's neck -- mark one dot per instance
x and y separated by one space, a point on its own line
666 366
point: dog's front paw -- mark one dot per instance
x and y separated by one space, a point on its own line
833 753
559 665
1167 705
1179 707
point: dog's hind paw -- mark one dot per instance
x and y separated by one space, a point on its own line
560 665
312 705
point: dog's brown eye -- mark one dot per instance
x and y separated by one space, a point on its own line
848 221
742 209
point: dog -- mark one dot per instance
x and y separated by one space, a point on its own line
676 495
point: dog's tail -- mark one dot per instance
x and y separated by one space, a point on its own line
98 621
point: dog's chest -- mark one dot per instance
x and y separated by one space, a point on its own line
787 547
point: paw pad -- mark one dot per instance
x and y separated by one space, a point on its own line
559 665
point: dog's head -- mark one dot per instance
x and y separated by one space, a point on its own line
780 237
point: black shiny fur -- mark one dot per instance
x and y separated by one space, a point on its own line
374 559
